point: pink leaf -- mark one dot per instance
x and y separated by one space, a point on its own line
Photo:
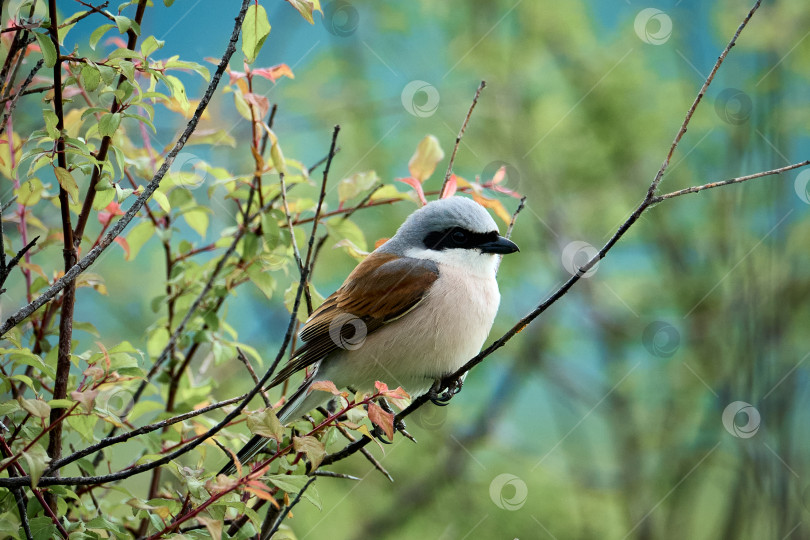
123 243
274 73
117 41
325 386
417 186
450 187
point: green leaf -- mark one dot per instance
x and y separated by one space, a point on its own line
83 424
36 407
90 77
50 123
198 220
67 182
255 29
340 229
358 183
38 460
43 528
157 342
150 45
266 424
162 201
262 279
108 124
47 48
123 23
98 33
423 162
138 236
30 192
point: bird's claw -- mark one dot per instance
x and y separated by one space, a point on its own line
442 398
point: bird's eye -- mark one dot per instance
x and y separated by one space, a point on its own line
459 237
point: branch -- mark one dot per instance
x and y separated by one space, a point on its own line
649 200
150 188
738 180
458 138
20 92
110 441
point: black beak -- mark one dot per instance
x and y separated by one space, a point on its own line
501 246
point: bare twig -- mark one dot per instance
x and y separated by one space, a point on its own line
21 92
285 512
739 179
459 136
249 367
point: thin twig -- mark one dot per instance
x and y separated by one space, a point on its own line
24 312
648 201
249 367
20 92
286 511
138 469
333 474
459 136
739 179
110 441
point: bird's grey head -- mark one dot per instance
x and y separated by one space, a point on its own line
449 224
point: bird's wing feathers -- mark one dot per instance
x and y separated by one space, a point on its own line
381 289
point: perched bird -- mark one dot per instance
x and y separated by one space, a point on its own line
414 311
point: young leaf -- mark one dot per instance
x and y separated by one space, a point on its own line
382 418
428 154
67 182
306 7
255 29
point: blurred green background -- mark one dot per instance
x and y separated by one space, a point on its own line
604 418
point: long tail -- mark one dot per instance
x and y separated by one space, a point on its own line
299 403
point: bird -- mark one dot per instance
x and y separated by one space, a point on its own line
411 313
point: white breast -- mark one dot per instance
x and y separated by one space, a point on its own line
440 335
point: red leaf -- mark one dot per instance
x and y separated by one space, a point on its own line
382 418
112 209
417 186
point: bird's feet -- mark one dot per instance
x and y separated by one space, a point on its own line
442 397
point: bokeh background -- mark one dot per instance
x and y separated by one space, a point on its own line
666 396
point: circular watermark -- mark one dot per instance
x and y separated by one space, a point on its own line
420 98
348 332
576 255
661 339
802 186
187 171
429 417
28 12
340 18
501 173
733 106
653 26
116 401
752 419
508 492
